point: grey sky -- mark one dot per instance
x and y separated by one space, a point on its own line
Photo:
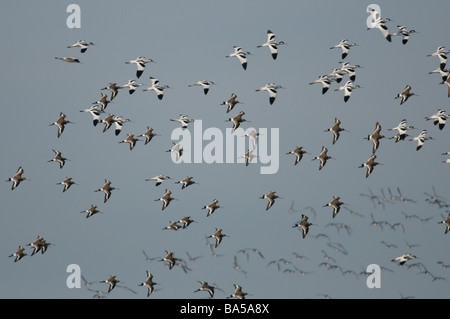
189 42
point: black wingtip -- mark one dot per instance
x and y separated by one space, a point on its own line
139 73
346 98
244 65
324 90
271 100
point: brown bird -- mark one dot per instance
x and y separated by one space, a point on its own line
375 137
298 152
370 164
404 96
218 235
323 157
17 178
336 204
149 135
336 129
231 102
304 225
446 223
59 159
60 123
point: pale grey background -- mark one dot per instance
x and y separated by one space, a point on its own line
189 41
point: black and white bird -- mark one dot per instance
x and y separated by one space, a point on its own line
272 44
184 120
441 53
95 112
205 84
443 73
345 46
177 149
272 89
349 69
68 59
132 85
140 63
380 24
159 179
447 82
421 138
157 88
403 32
403 258
439 118
82 44
241 55
348 88
405 94
337 75
325 80
401 129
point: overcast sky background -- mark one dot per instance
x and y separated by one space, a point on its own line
189 42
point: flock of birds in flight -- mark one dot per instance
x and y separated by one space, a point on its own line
98 108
